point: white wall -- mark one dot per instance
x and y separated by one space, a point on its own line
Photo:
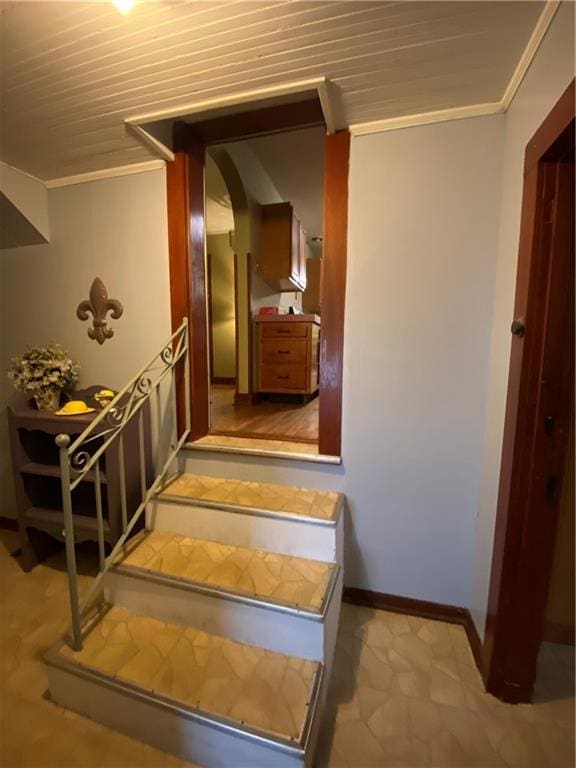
423 227
294 160
549 75
115 229
423 235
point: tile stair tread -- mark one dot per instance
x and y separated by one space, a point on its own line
280 579
300 502
250 686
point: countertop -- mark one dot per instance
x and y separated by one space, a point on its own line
287 319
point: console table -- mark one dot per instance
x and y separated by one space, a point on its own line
36 467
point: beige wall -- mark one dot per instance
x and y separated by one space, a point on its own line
246 215
115 229
547 78
222 299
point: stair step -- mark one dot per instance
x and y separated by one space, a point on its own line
269 449
281 580
241 687
267 498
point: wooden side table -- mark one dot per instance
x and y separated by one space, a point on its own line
36 467
288 354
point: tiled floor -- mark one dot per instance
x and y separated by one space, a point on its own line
265 690
279 498
405 694
287 580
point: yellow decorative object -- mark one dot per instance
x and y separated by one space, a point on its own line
74 408
103 396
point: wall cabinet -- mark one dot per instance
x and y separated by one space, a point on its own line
288 354
311 296
282 262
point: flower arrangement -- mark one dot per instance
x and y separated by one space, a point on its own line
44 372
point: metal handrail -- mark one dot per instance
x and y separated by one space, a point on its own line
76 460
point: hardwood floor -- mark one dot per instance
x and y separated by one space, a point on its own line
275 421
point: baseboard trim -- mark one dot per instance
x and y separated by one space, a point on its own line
453 614
9 523
475 643
223 380
408 605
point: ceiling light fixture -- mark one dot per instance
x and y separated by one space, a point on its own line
124 6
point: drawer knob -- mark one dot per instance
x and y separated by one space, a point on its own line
282 377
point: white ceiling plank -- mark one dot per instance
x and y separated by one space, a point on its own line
131 100
73 72
125 49
156 65
210 57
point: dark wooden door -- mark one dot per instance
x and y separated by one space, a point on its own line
540 396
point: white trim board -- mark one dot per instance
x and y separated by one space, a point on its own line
105 173
426 118
231 104
530 51
151 142
141 126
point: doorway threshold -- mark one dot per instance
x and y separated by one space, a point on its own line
278 449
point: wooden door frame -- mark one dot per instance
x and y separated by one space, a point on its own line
187 257
185 192
523 539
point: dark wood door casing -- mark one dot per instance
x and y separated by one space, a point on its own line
186 241
185 185
540 391
333 290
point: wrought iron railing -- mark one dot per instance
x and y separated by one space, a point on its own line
83 455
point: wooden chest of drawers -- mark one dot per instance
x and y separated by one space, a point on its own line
288 354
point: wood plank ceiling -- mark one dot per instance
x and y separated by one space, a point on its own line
72 71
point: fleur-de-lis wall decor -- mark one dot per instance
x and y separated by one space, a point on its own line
99 305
